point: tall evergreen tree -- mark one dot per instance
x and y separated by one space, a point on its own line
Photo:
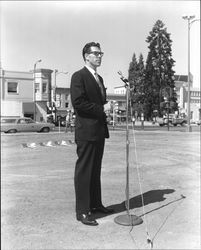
141 76
132 71
159 73
136 80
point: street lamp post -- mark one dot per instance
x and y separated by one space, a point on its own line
34 88
189 18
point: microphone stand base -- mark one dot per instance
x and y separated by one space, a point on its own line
128 220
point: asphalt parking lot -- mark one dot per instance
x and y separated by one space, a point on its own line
37 192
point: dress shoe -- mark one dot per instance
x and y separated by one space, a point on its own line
103 209
87 220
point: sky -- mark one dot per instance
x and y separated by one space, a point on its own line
56 32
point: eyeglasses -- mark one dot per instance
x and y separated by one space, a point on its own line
96 53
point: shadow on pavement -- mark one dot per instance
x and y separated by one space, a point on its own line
135 202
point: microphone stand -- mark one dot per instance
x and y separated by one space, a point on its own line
127 219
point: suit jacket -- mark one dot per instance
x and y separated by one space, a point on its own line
88 103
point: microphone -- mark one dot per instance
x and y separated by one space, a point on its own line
122 77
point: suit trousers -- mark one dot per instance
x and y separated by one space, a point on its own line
87 178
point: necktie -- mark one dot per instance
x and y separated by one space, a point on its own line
100 86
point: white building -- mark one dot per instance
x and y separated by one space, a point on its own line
181 84
121 90
18 97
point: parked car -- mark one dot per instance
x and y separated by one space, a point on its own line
173 120
24 124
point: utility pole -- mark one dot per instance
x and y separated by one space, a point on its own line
189 18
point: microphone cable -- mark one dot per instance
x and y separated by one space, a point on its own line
149 241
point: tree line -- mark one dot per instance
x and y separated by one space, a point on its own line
152 86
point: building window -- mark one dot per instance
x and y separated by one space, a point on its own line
66 104
37 87
13 87
66 97
44 87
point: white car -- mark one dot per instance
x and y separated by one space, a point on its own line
24 124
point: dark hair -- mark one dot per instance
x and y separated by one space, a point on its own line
87 47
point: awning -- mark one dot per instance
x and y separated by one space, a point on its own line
28 107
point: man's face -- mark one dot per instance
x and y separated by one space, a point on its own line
94 57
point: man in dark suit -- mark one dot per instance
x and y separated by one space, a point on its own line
88 96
